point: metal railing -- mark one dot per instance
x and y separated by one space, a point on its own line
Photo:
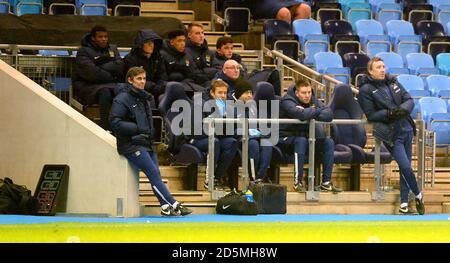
312 194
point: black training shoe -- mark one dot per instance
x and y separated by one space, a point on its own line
299 188
405 211
169 211
330 188
182 210
420 206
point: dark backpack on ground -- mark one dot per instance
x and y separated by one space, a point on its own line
16 199
235 203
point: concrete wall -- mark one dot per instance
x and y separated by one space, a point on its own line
37 128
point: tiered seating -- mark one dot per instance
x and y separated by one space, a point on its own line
417 10
387 12
402 36
372 37
355 10
330 63
22 7
4 7
421 64
326 10
434 39
357 63
57 8
415 86
312 40
441 10
279 36
341 36
439 85
437 119
91 7
393 63
443 63
126 7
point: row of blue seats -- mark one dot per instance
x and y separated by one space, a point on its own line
436 114
81 7
417 64
370 35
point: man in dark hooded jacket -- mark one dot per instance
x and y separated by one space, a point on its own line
201 57
145 53
98 69
300 104
388 105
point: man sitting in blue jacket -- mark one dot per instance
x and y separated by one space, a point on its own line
300 104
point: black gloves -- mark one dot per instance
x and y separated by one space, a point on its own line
396 114
102 60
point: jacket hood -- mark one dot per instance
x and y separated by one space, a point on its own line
145 35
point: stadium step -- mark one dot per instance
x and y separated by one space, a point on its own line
147 5
342 203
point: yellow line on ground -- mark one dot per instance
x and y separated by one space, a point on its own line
370 231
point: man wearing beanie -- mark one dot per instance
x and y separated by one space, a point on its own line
243 87
259 155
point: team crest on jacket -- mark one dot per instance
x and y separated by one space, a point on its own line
111 53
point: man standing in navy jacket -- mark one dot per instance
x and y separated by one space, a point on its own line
388 106
300 104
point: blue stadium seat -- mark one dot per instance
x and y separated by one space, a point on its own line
376 4
441 10
4 7
421 64
393 63
330 63
443 63
430 105
402 36
439 85
312 40
49 52
372 37
440 124
387 12
416 88
29 7
91 7
357 11
434 112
